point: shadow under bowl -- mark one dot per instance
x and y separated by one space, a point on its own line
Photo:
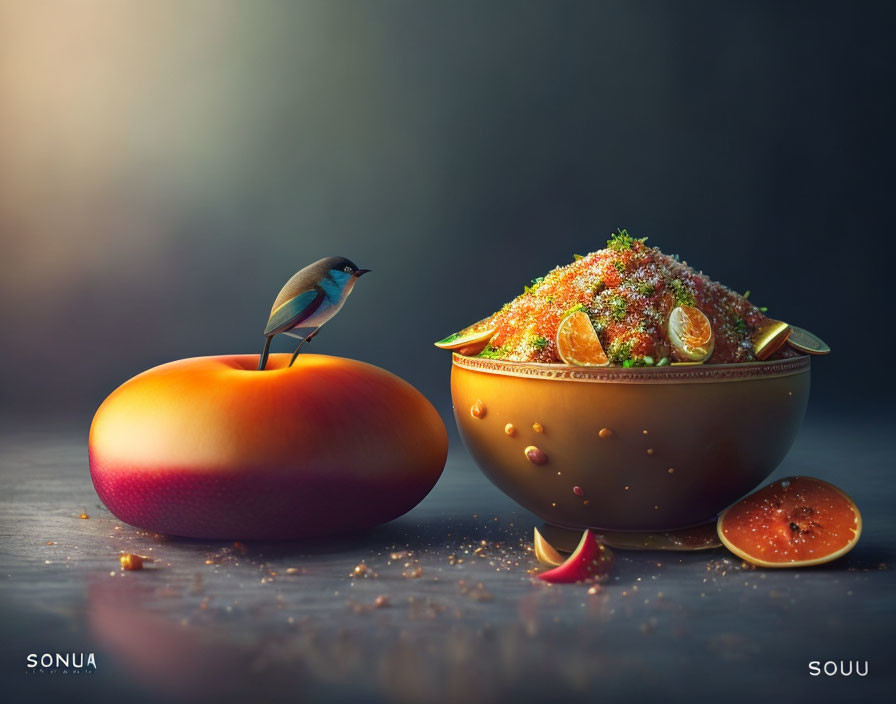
641 449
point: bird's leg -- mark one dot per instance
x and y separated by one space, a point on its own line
263 359
305 339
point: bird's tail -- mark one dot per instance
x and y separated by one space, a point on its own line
263 360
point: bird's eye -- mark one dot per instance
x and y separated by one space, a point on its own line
347 270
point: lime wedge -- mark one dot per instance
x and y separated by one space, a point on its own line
469 341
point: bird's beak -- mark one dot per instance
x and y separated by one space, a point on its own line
361 272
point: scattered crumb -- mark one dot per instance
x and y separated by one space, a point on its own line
362 570
413 572
130 561
477 592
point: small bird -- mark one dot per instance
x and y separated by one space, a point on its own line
308 300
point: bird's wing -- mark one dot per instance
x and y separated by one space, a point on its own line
291 313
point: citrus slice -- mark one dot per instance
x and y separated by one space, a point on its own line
577 342
545 552
590 561
469 341
769 338
690 334
793 522
805 341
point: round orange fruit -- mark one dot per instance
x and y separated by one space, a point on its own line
211 448
793 522
577 342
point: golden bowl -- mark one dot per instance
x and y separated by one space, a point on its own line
640 449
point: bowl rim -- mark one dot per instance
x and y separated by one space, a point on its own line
690 373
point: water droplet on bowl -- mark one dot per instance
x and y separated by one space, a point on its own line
536 455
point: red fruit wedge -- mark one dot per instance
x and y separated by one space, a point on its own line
545 553
591 560
793 522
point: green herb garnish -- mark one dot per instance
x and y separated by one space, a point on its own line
575 309
533 285
644 288
494 352
621 241
539 342
682 293
620 352
618 307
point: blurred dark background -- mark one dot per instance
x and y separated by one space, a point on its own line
166 166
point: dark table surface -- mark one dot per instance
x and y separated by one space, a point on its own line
460 619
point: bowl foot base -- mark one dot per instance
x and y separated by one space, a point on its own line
700 537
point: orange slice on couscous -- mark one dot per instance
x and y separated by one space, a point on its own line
690 334
577 342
